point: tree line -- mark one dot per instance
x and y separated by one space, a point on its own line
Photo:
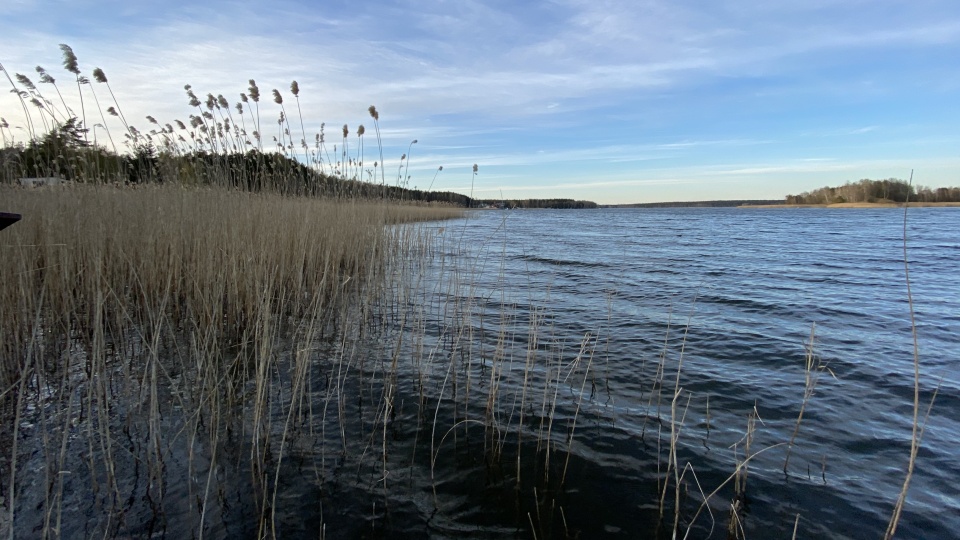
699 204
560 204
869 191
66 154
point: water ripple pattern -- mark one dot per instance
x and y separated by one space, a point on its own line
751 282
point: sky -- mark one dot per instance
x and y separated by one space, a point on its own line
604 100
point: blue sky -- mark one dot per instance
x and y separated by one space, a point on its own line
612 101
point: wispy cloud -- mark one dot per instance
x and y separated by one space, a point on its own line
617 93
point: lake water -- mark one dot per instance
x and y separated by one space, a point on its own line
737 291
517 375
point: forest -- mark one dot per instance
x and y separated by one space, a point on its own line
873 191
558 204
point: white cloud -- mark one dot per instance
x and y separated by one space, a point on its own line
513 88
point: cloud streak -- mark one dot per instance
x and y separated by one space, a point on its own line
532 92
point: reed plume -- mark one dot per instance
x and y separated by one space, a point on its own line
406 176
343 150
360 131
295 90
97 101
70 64
440 168
46 78
254 92
376 124
23 103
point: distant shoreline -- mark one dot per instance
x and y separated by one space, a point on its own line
857 205
699 204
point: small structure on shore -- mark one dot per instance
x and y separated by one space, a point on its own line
7 219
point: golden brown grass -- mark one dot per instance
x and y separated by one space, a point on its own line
121 306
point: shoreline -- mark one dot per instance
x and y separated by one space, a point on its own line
859 205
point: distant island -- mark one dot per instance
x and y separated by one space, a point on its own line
866 192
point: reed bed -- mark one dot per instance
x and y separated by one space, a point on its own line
135 322
184 361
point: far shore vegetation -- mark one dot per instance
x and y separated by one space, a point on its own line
697 204
891 191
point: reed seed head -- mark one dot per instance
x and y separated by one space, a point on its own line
373 112
211 102
69 59
277 98
112 111
151 119
180 124
194 102
295 89
240 108
475 168
254 91
25 81
243 97
361 130
346 131
44 76
222 102
99 75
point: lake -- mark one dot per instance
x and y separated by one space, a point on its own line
735 292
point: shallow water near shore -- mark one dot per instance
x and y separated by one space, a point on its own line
737 291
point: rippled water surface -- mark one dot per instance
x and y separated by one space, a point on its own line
736 291
521 374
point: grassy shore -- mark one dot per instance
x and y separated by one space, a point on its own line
134 322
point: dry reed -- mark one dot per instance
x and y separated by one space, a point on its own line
120 306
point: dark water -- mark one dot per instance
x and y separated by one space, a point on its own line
514 379
743 287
